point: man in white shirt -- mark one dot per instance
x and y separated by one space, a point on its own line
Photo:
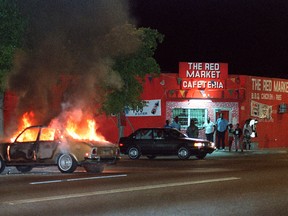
209 129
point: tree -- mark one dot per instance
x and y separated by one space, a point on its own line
12 27
133 69
11 33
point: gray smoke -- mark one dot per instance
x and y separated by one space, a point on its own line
69 48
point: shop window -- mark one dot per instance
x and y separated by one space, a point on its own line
185 114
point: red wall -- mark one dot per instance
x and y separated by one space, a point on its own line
240 89
271 129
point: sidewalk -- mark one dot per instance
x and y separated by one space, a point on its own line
249 152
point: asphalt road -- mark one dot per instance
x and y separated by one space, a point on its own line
251 183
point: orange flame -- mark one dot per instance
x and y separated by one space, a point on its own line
81 131
84 132
26 121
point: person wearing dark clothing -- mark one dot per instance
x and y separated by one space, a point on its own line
230 136
221 125
192 130
237 138
167 125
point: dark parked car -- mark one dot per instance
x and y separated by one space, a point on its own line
43 146
153 142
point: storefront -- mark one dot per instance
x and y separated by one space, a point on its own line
206 93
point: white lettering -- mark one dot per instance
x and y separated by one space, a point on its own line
280 86
267 85
195 66
256 84
202 84
212 66
203 74
266 96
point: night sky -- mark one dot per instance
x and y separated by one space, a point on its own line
250 35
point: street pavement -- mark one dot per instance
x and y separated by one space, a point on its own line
216 153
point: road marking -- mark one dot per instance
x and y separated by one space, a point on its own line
77 179
121 190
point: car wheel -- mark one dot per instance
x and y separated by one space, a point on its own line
24 169
151 156
2 165
133 153
201 155
66 163
94 168
183 153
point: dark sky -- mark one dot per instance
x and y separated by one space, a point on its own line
250 35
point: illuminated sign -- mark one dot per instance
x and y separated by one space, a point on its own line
203 75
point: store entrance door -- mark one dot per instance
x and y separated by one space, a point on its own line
226 114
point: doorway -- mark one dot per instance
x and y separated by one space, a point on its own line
226 115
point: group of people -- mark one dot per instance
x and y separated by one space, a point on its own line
220 127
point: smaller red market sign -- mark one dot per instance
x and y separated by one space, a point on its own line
202 75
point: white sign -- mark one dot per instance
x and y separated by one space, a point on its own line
152 108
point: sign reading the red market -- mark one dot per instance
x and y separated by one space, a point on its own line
203 75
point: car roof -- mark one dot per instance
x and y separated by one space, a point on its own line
152 128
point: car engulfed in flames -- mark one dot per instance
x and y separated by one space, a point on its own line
44 146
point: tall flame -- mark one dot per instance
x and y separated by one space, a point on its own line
75 129
88 132
26 121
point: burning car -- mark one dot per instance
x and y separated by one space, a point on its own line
44 146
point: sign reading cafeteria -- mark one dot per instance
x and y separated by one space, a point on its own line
203 75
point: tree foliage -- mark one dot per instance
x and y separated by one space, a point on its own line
133 68
12 27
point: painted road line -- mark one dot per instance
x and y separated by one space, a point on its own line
121 190
77 179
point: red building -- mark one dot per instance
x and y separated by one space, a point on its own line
200 90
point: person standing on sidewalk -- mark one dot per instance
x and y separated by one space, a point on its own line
192 130
230 136
237 138
167 124
209 129
221 125
175 124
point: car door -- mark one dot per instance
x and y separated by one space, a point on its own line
47 144
159 142
167 144
24 149
143 138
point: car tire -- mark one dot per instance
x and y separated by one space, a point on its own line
94 168
183 153
151 157
24 169
2 165
66 163
201 155
134 153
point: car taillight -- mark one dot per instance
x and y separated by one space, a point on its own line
121 144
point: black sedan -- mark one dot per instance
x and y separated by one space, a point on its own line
152 142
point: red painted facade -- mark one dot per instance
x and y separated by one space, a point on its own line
242 97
